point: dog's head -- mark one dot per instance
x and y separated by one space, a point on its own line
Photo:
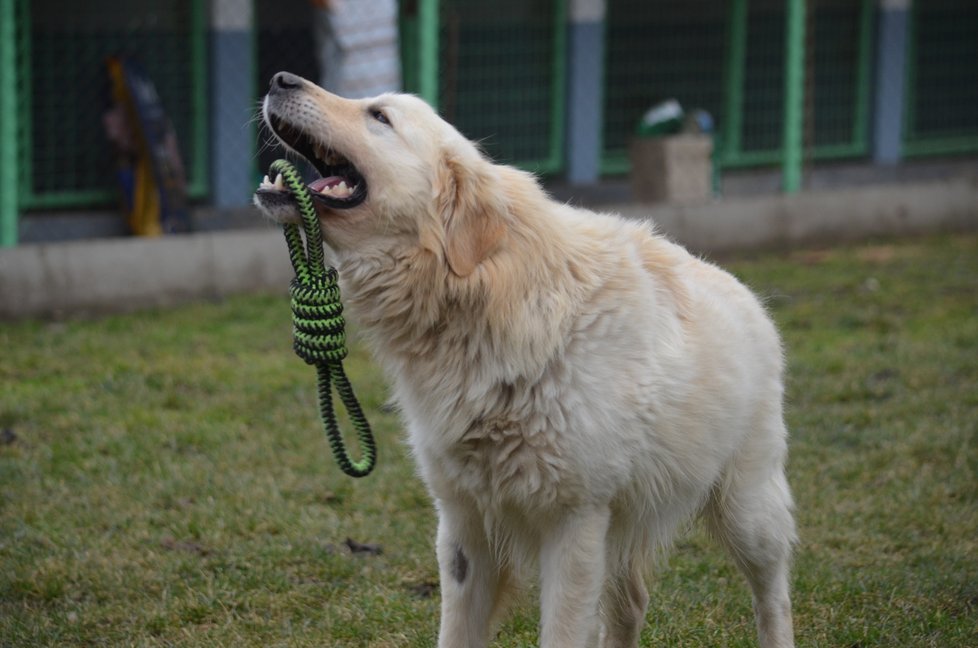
392 173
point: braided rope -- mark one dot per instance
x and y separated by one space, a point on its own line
319 335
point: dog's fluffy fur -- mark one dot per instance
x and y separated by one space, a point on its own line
575 387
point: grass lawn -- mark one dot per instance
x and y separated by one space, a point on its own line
164 480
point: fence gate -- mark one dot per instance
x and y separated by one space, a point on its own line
942 79
727 58
64 157
497 74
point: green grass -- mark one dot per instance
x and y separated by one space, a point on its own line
164 480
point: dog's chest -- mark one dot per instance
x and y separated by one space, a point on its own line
508 462
501 463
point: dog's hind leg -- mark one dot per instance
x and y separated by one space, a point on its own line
623 606
750 514
572 570
472 583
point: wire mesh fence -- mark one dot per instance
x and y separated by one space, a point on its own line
499 70
942 84
658 51
840 35
349 48
501 73
285 40
65 157
707 55
838 51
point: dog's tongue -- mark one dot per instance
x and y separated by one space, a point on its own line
325 184
333 186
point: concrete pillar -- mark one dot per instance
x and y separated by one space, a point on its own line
585 90
232 103
891 64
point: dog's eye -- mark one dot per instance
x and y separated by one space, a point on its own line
380 116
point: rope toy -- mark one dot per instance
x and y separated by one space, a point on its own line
319 329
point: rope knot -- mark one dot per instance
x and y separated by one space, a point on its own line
318 327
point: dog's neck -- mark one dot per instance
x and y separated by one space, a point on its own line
420 319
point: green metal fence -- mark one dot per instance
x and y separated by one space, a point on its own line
10 57
497 70
941 115
284 41
64 158
501 77
728 58
654 51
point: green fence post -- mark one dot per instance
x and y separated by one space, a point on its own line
8 123
733 93
428 51
864 74
908 117
794 95
558 103
198 70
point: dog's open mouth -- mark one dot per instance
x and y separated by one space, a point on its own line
340 185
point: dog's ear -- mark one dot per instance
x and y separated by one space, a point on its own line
472 207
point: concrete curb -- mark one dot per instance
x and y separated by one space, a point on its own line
821 217
99 276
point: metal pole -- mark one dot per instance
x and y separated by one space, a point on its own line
8 123
733 95
428 54
794 95
558 103
198 72
864 72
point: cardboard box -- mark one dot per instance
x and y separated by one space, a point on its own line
674 169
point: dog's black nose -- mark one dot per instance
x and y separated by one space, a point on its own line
284 81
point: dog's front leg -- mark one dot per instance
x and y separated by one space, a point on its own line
470 579
572 571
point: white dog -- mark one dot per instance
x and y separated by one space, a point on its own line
575 387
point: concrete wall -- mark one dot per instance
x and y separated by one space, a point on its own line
98 276
124 274
819 217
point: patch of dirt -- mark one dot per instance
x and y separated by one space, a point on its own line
363 548
188 546
423 590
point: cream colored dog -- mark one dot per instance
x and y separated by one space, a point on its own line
575 387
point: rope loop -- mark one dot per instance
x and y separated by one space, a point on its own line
318 328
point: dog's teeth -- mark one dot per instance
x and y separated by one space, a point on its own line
279 182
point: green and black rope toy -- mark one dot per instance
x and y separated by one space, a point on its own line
319 329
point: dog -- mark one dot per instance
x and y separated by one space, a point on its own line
576 388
